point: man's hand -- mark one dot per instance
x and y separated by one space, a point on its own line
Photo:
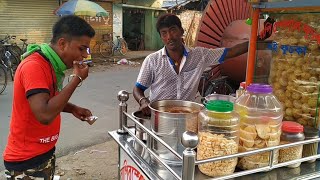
144 107
81 70
81 113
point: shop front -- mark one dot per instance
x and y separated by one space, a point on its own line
28 19
138 26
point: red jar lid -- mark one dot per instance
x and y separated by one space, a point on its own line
292 127
243 85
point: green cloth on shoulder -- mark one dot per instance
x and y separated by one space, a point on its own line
56 62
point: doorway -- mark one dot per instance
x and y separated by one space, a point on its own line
133 28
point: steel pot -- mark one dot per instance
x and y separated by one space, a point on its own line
169 119
145 121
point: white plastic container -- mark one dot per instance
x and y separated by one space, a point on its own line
261 115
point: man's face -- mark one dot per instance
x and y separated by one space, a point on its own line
171 37
74 49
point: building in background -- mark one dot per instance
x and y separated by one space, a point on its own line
33 20
135 21
28 19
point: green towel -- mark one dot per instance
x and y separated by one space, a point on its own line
57 64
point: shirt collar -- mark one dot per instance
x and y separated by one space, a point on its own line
186 51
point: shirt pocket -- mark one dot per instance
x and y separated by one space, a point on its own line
189 78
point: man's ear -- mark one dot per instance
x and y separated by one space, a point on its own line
182 30
62 43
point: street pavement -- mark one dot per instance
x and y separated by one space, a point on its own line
99 94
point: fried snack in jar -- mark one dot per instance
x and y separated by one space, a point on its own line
298 75
291 132
214 145
219 136
260 127
310 149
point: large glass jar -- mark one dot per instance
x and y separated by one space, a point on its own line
260 124
291 132
310 149
294 73
218 134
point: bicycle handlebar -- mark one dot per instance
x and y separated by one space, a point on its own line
7 38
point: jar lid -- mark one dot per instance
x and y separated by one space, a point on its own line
311 132
259 88
219 106
291 127
243 85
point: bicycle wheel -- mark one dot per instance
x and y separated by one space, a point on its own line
3 78
106 49
13 63
220 87
16 50
124 46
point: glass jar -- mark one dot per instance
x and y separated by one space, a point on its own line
291 132
310 149
260 122
218 135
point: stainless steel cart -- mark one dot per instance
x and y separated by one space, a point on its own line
138 161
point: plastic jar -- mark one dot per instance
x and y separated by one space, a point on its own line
260 124
291 132
218 136
241 89
310 149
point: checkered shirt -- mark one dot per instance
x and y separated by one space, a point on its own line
157 73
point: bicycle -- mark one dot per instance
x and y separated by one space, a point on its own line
10 55
24 45
135 43
214 83
3 77
107 48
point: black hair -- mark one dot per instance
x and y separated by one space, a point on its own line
168 20
71 26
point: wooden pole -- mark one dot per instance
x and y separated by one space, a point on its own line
252 47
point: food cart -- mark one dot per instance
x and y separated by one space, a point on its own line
139 160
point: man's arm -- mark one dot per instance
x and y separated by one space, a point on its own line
242 48
237 50
143 101
46 109
69 107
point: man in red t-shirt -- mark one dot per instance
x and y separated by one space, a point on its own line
39 99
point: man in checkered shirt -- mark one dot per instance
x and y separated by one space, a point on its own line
174 71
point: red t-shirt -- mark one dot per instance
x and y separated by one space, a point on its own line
29 138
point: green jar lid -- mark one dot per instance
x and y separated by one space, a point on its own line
219 106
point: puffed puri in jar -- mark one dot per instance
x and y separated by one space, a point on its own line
258 136
214 145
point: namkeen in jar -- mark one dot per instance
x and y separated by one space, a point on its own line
291 132
218 134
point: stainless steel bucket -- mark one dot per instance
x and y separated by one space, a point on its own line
144 120
169 119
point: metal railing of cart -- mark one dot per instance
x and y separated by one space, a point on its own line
188 159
